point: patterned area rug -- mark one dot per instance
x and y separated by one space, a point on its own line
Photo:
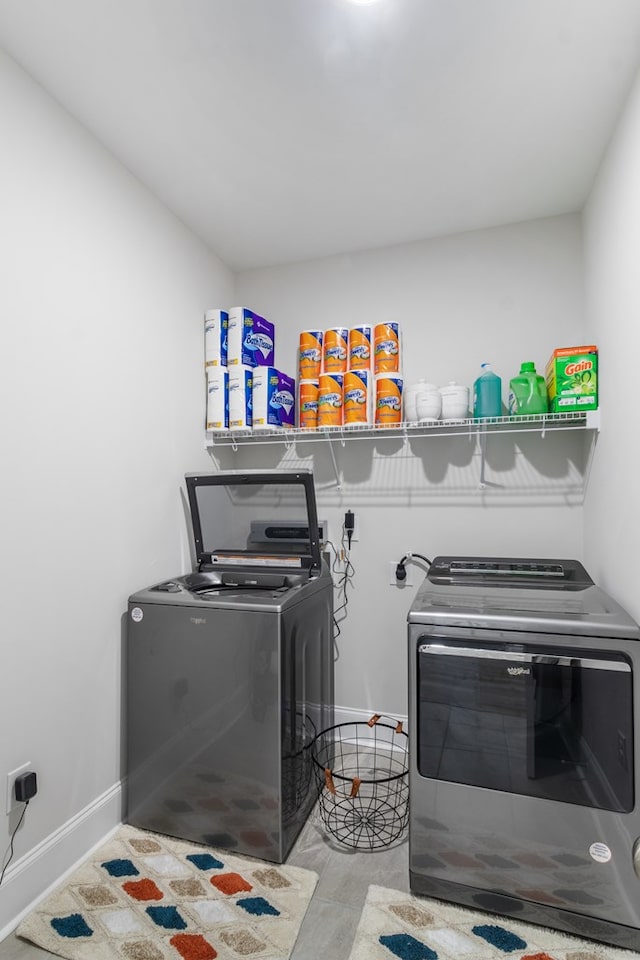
397 925
146 897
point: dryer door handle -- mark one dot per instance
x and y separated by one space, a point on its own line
481 653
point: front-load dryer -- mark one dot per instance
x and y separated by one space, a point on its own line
524 767
229 671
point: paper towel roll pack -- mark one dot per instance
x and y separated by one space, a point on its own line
360 348
357 397
335 350
386 348
310 354
308 404
330 399
388 399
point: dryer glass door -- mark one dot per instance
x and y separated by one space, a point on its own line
541 721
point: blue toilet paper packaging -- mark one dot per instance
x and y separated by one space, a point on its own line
251 339
217 399
216 325
274 399
240 397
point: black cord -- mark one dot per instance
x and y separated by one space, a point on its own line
346 576
342 583
336 625
26 804
401 573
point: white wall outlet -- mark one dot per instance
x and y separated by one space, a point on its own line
407 582
11 779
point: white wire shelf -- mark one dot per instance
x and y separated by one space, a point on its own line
588 420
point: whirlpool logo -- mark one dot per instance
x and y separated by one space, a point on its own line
518 671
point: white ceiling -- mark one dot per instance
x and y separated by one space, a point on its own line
282 130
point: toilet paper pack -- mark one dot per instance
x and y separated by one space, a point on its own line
217 399
240 397
216 324
274 399
251 339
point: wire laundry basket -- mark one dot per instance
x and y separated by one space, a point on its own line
362 772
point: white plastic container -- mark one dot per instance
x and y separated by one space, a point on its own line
429 403
410 398
455 401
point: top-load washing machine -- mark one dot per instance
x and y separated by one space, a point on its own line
524 739
229 670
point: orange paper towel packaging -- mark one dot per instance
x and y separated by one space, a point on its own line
388 399
310 354
356 397
308 404
360 348
335 350
386 348
330 395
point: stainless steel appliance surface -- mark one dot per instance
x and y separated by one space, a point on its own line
523 758
229 672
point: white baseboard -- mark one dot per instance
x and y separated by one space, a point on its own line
31 878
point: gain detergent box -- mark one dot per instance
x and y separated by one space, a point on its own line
572 379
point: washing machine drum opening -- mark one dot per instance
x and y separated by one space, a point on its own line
555 723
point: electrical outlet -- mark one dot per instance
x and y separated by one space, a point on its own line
11 779
393 581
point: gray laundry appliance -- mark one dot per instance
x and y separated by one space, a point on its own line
524 741
229 670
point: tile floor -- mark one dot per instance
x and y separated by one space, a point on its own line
329 926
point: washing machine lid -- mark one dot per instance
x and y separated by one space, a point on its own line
228 507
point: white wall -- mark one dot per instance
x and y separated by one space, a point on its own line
101 391
503 295
612 242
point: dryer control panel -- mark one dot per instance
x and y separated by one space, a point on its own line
487 571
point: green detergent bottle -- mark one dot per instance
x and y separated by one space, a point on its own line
527 392
487 394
